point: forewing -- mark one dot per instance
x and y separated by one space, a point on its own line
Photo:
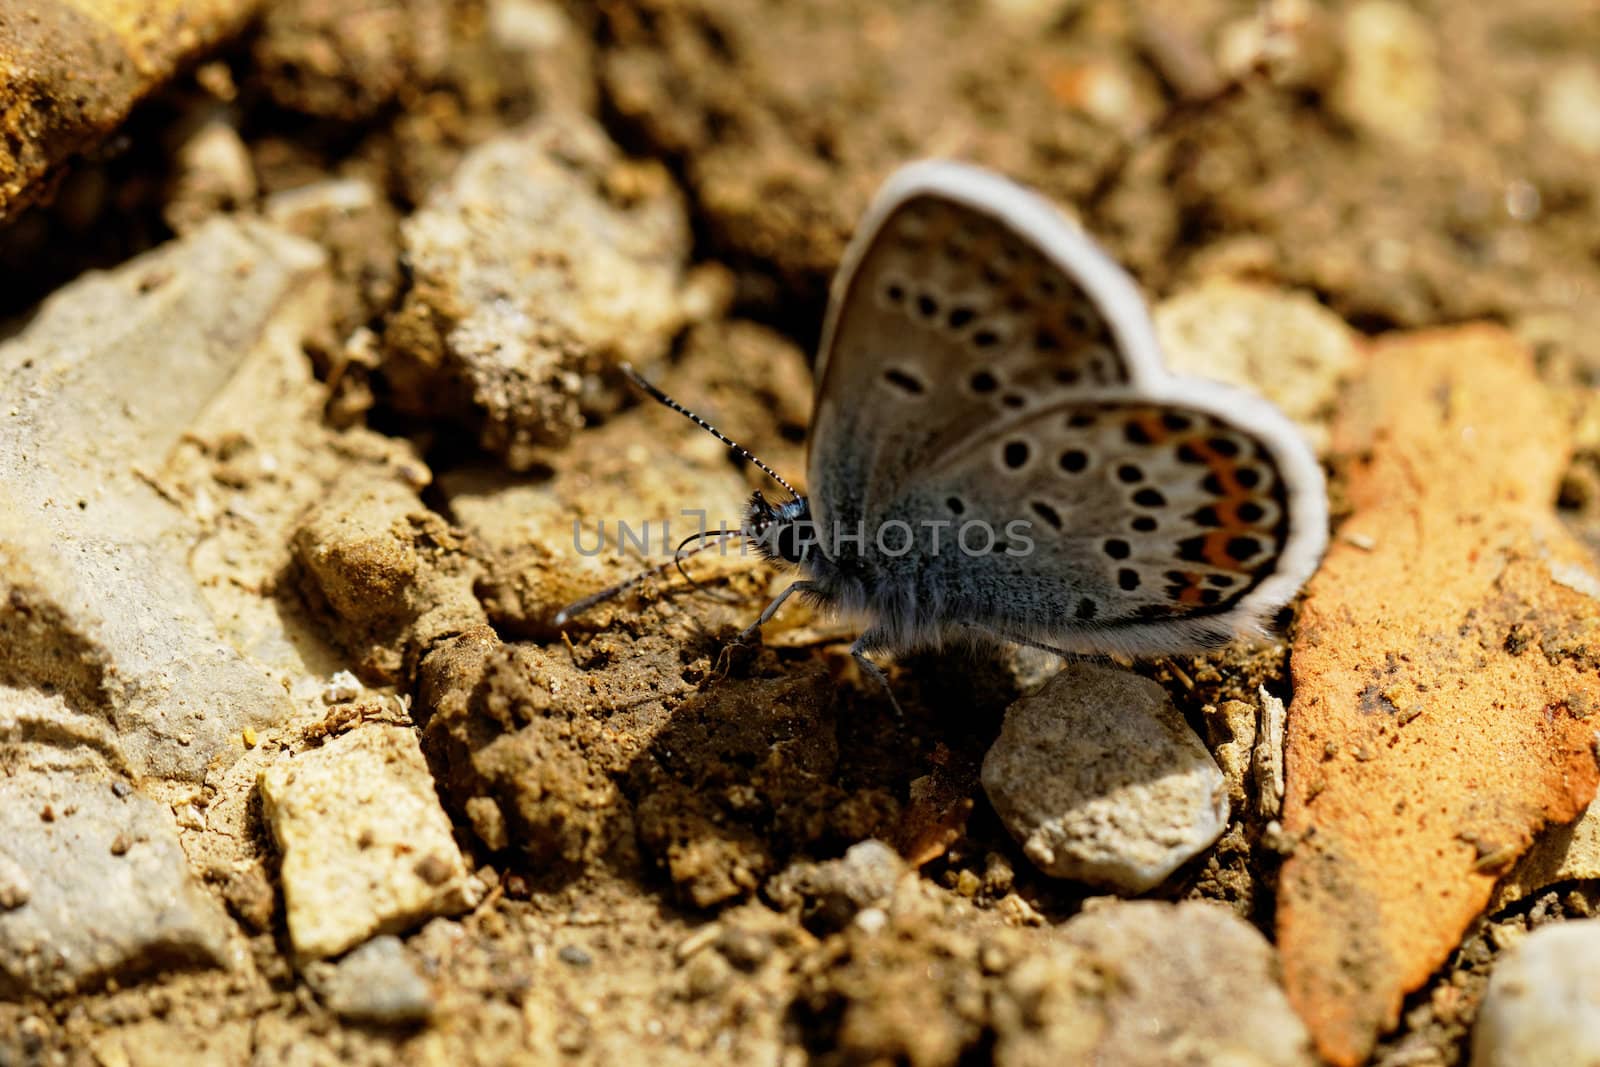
963 299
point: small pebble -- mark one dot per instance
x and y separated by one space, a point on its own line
1543 1003
1101 780
574 956
342 688
15 889
379 983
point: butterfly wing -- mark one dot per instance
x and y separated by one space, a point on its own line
972 295
1172 518
969 321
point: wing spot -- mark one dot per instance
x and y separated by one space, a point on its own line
1129 473
983 382
1223 446
1117 548
1145 524
1080 420
1047 513
1081 320
1074 460
904 382
1210 597
1250 511
1013 400
1221 581
1248 477
956 506
1150 498
986 338
1015 454
1137 434
1047 341
1242 548
927 306
1175 422
961 317
1127 579
1067 376
895 293
1087 609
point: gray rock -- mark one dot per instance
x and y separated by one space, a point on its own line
545 255
1543 1004
1148 984
106 888
377 983
99 615
834 891
366 847
1100 779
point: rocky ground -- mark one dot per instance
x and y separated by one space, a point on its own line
313 313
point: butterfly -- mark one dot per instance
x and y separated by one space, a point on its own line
998 453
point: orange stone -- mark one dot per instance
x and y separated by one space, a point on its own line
1446 677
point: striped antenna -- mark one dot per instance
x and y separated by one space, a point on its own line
738 449
707 539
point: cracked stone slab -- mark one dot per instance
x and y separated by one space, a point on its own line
95 886
1445 677
98 609
367 848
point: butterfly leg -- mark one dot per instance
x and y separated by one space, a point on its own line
875 672
772 609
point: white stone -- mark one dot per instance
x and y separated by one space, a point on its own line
1101 780
1183 983
366 847
1569 107
1281 344
1390 85
1543 1003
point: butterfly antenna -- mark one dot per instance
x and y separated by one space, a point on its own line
738 449
579 607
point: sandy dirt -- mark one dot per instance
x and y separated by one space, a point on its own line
654 817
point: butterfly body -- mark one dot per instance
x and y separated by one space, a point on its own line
997 450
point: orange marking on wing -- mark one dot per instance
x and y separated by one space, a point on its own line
1150 422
